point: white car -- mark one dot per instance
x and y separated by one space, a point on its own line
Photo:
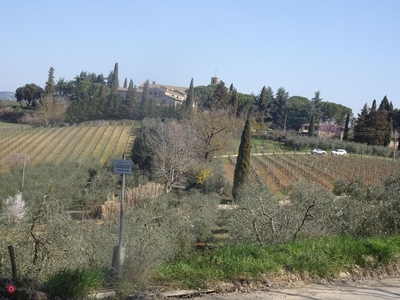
317 151
340 152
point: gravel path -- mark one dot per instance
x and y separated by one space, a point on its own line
368 289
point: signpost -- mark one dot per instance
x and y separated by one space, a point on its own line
121 166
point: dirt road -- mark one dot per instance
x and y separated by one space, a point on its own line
385 288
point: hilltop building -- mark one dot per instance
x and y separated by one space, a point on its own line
163 94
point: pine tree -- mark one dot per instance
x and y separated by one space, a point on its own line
50 88
360 128
278 115
219 99
261 104
190 96
242 168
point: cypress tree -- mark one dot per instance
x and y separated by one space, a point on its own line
115 81
190 96
242 168
312 124
131 100
145 101
346 127
126 83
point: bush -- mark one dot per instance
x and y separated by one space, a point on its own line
76 283
262 218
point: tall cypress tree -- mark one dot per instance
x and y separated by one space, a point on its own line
131 101
190 96
126 83
115 81
346 127
145 101
312 124
242 168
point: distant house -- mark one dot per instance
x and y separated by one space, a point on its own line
324 130
122 92
163 94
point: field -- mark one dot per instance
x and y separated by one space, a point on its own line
278 171
100 141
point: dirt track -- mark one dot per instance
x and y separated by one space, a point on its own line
368 289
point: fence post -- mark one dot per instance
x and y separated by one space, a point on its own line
13 264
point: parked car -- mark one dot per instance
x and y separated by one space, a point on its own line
317 151
341 152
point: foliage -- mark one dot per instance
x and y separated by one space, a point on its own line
74 283
30 93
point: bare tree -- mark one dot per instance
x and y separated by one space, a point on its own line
171 148
52 109
215 129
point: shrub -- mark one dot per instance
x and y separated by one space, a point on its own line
263 219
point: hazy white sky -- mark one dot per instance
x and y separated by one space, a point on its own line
347 49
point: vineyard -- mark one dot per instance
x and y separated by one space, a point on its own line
279 171
99 141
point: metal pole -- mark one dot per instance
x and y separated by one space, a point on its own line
23 173
394 145
121 227
13 264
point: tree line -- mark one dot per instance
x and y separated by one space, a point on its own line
91 96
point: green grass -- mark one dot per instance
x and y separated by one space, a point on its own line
75 283
320 258
10 125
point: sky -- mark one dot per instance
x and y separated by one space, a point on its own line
349 50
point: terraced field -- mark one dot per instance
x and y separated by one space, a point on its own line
57 144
